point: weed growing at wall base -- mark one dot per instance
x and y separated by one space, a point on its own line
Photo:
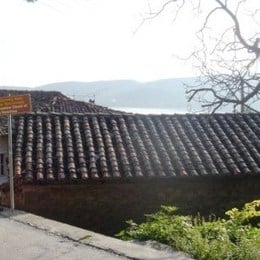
237 237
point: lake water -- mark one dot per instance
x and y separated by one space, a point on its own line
154 111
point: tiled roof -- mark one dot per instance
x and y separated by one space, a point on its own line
84 147
53 101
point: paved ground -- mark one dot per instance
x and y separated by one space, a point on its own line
25 242
27 236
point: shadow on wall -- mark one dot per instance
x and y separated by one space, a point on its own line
104 207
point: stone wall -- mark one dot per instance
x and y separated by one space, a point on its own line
104 207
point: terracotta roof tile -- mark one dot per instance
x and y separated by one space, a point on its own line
142 152
66 147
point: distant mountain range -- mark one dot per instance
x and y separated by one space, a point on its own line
165 94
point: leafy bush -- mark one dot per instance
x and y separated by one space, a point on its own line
237 237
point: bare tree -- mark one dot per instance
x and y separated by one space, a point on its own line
227 57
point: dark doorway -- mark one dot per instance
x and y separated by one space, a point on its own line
2 171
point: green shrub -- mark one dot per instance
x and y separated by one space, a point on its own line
237 237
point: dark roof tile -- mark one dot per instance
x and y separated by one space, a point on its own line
54 101
68 147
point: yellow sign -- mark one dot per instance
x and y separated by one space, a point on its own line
15 105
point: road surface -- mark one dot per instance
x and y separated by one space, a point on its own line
18 241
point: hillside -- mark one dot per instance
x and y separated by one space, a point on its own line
163 96
166 94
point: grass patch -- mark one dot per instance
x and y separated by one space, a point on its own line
236 237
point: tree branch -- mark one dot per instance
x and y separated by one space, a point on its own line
253 48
